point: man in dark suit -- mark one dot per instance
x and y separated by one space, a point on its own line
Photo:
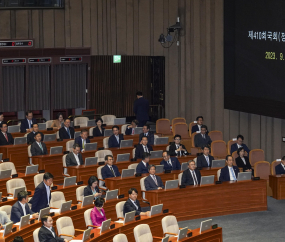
82 140
31 136
38 147
109 170
280 169
205 160
1 117
239 144
18 239
198 126
21 208
177 149
26 124
170 163
130 130
66 132
142 148
42 195
202 139
141 108
5 137
191 176
142 167
229 172
132 204
47 233
74 158
153 182
148 134
115 139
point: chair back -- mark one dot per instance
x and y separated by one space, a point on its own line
26 135
65 225
81 121
64 164
262 169
108 119
181 129
142 233
235 155
195 159
36 235
120 209
80 193
29 151
105 142
177 120
14 183
170 225
184 166
87 217
180 178
57 134
163 126
38 179
91 131
49 123
143 186
167 147
120 238
216 135
255 156
219 149
99 173
230 143
7 209
57 198
133 166
190 128
218 174
134 152
193 139
273 165
123 128
8 166
69 145
102 153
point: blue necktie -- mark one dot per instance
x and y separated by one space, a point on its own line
207 158
30 123
68 132
233 174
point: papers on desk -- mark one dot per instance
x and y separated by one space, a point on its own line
76 240
2 231
54 210
17 223
10 197
120 221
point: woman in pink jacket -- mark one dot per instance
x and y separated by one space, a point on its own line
97 213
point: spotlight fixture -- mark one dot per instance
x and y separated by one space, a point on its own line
168 40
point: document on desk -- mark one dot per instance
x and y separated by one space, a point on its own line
54 210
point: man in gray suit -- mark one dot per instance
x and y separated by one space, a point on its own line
74 158
38 147
3 219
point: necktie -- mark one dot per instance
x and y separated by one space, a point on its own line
154 179
68 132
83 143
112 171
233 174
6 137
179 152
145 149
30 123
133 131
117 137
40 145
203 136
194 177
169 162
207 158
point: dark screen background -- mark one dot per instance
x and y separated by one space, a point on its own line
253 83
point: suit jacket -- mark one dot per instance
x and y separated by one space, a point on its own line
128 131
71 161
3 140
25 124
107 173
150 184
64 135
17 212
225 175
279 169
234 148
187 178
195 128
46 236
31 137
141 168
141 108
88 191
96 132
202 162
78 140
129 207
139 150
113 141
40 200
175 164
36 150
240 163
172 149
200 141
150 137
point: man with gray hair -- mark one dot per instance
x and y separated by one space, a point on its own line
191 176
3 219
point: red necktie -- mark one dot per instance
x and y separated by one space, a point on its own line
6 137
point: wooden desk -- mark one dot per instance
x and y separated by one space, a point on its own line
212 200
277 184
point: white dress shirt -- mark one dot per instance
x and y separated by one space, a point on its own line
48 192
282 166
135 204
199 126
23 207
242 158
231 176
207 160
118 138
76 158
30 122
154 179
67 132
193 176
169 162
239 146
144 163
50 229
145 148
112 170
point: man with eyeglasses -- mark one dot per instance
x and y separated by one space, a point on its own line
177 149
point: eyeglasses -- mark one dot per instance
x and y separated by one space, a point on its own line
176 139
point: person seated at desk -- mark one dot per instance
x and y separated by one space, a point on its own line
142 148
153 182
98 130
26 124
5 137
31 136
280 169
202 139
21 208
109 170
177 149
132 204
198 126
47 232
191 176
239 144
18 239
229 172
243 161
42 195
142 167
170 163
66 132
97 214
131 128
74 158
92 187
38 147
115 139
82 140
3 219
58 122
148 134
1 117
205 160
